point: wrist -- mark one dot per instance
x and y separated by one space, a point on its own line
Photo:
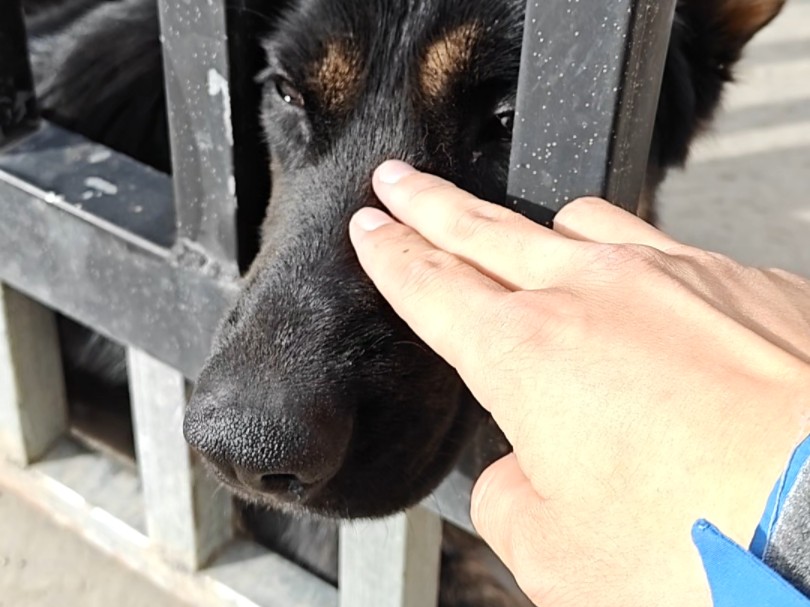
761 438
774 571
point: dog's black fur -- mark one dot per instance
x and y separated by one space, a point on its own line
316 396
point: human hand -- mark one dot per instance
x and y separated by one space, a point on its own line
642 386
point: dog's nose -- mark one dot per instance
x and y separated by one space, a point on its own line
269 450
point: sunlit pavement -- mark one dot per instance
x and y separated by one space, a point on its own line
746 189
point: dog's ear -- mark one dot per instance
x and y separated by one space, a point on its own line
707 41
739 20
733 22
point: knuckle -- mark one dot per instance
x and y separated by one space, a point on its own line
474 221
516 317
527 328
390 236
625 258
422 189
519 306
426 268
700 256
539 317
681 250
571 213
787 277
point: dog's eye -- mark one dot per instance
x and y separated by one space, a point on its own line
288 93
498 127
507 120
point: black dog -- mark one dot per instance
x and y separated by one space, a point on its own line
316 397
315 394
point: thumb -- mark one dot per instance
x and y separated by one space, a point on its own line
506 511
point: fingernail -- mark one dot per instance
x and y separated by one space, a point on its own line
369 219
392 171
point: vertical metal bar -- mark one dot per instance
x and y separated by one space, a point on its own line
188 516
33 409
18 110
590 79
195 51
391 563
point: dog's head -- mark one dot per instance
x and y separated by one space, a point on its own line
316 395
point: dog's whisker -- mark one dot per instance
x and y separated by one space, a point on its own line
415 344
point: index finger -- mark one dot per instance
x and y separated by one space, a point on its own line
441 297
501 243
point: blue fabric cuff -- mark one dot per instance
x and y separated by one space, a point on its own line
776 501
739 578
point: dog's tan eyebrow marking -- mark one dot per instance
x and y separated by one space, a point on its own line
336 78
446 57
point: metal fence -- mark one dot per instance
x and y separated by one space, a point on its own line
161 290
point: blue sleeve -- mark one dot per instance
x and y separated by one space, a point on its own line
740 578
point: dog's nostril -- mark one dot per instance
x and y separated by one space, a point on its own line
281 483
277 484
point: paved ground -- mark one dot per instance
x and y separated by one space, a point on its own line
746 193
44 565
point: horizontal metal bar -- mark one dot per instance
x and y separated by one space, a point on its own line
588 91
166 302
77 476
250 575
93 179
